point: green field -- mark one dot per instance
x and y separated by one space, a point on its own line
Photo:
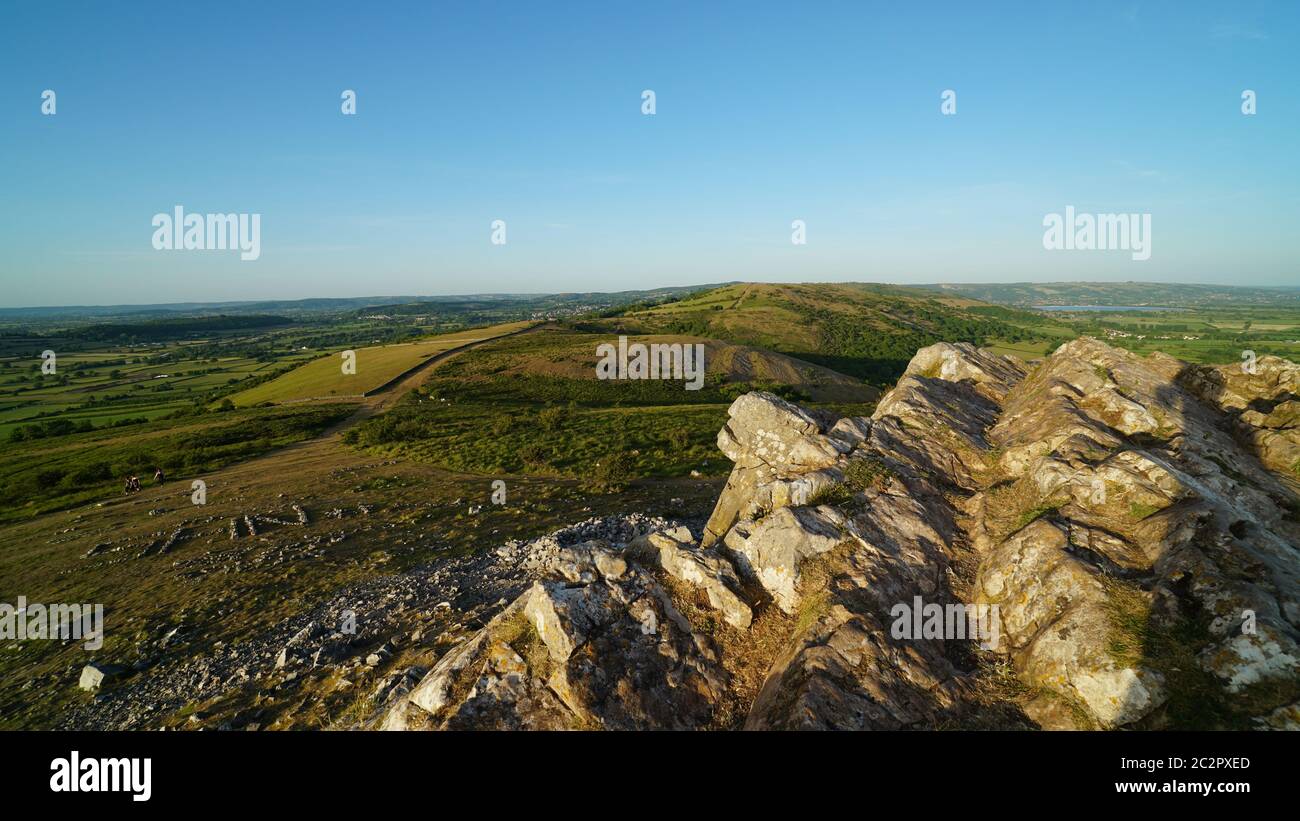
100 389
1199 335
1196 323
132 369
375 366
1218 334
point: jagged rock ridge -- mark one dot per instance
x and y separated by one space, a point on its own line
1130 523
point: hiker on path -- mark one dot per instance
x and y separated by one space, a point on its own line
158 476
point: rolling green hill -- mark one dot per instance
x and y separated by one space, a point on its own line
555 356
862 330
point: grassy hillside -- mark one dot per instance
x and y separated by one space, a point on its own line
862 330
57 472
553 357
324 377
532 405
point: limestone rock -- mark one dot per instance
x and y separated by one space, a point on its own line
94 675
768 438
992 374
703 569
771 551
611 652
1056 624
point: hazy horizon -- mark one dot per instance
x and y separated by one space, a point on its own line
764 115
468 294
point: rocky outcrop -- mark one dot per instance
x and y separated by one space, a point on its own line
1117 533
603 647
886 537
1262 399
1166 530
778 450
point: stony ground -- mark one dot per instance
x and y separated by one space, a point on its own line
360 644
186 586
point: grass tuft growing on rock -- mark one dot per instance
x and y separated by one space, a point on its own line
746 655
860 475
868 472
1140 510
1129 611
1170 646
815 576
1034 514
1012 506
519 634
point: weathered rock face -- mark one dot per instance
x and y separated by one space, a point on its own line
1055 622
888 538
772 442
674 552
603 648
1263 401
1155 529
1118 532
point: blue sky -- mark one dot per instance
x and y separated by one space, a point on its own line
531 113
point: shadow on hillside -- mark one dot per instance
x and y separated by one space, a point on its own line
880 372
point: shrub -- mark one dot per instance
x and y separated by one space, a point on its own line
612 473
48 478
549 418
679 438
89 474
532 455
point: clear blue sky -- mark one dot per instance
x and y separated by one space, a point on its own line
530 113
